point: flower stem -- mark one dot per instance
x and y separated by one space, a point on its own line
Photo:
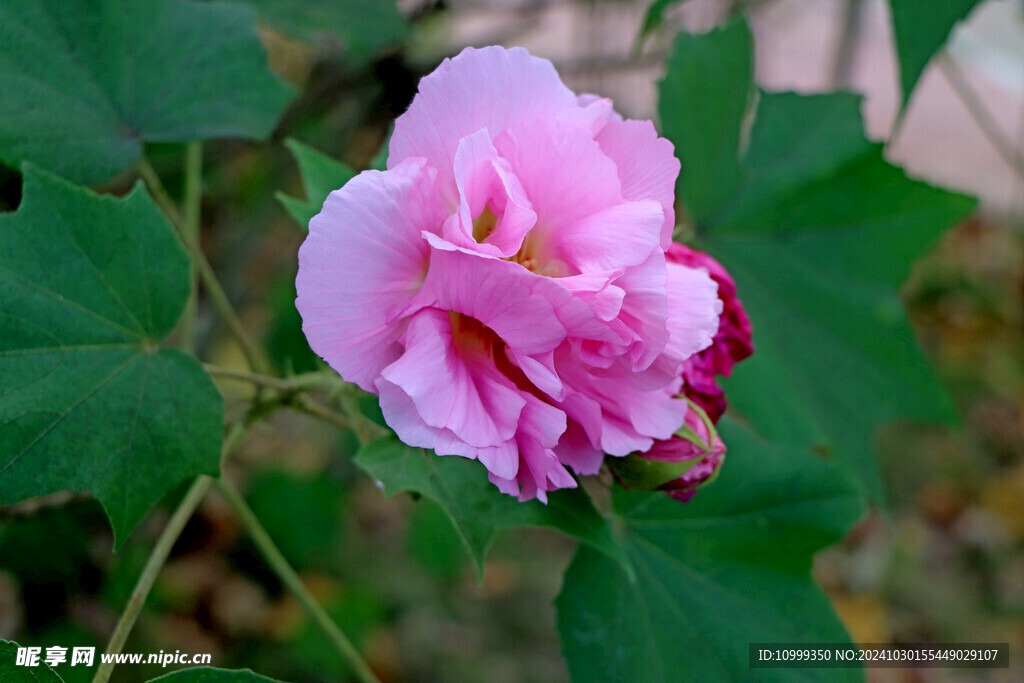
193 198
206 275
310 407
159 555
309 380
292 388
364 429
154 564
290 579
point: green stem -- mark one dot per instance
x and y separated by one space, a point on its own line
308 380
154 564
193 198
292 388
290 579
310 407
158 557
364 429
159 193
206 275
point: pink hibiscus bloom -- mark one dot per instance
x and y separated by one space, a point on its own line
503 286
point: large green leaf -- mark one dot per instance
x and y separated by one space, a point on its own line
729 568
206 674
819 232
10 672
89 401
321 175
365 26
86 82
702 102
476 507
920 29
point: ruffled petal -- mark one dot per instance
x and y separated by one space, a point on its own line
540 470
616 415
453 383
694 310
486 183
491 88
583 222
364 255
499 294
647 166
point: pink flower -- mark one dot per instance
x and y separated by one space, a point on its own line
690 458
732 343
503 286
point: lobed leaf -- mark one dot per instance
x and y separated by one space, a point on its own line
819 231
86 82
920 29
702 102
729 568
10 672
90 285
321 175
477 509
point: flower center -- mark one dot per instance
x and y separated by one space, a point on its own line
471 335
484 224
533 256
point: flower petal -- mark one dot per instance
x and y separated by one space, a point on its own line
491 88
502 295
365 254
485 181
454 386
694 310
583 221
539 470
647 166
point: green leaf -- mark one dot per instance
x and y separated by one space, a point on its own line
86 82
654 17
475 506
365 26
435 542
819 238
10 672
702 102
286 345
89 401
729 568
321 175
819 232
206 674
920 29
303 514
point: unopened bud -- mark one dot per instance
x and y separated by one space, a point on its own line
679 465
